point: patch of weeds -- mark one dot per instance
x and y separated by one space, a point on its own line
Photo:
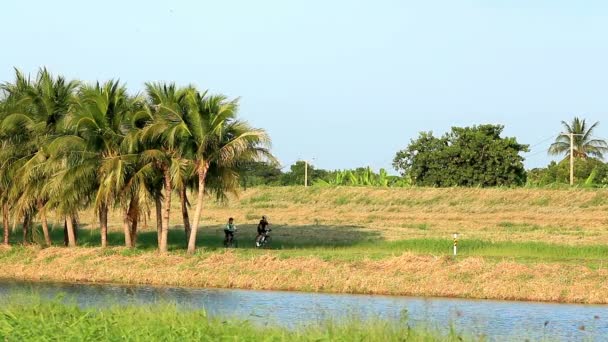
251 216
524 277
598 200
519 227
420 226
108 252
542 202
462 276
301 200
403 202
342 200
431 201
498 201
131 252
365 200
372 218
261 198
50 259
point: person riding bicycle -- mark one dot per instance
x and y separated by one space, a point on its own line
263 229
229 230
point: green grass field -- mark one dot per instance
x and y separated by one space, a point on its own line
358 245
28 318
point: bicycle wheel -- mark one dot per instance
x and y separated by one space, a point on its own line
267 242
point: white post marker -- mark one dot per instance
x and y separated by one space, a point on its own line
455 243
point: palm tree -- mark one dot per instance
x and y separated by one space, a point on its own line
585 144
34 121
217 143
166 103
98 122
202 132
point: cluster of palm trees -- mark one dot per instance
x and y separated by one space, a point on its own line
68 146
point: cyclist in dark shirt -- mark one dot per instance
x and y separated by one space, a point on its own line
263 228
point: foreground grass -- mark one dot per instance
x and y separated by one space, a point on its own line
30 319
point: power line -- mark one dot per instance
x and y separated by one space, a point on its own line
535 154
543 141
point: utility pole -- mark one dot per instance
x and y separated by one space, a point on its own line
305 173
571 135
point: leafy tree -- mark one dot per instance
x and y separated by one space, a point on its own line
587 172
585 144
296 174
469 156
259 173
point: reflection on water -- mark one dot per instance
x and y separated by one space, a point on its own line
498 320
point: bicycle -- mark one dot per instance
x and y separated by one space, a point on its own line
231 243
264 240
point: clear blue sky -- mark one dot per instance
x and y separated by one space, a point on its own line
346 82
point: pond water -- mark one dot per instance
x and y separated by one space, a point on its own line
497 320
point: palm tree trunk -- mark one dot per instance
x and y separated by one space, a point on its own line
166 211
5 224
134 225
26 229
71 232
45 225
133 219
202 174
127 229
103 222
184 200
65 232
75 225
159 217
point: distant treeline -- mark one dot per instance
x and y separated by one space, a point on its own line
260 173
466 156
588 173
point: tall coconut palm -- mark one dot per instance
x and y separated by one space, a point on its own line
7 156
40 107
166 103
205 130
585 144
98 122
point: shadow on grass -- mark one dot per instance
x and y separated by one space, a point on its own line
211 237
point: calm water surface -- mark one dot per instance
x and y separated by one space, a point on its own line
497 320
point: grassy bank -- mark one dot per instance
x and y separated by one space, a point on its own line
522 244
401 274
30 319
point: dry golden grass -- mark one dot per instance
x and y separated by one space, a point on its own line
406 274
574 217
